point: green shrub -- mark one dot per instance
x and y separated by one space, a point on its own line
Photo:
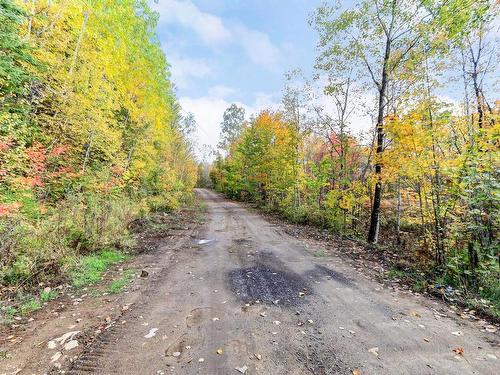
8 312
88 270
33 251
29 305
47 295
117 285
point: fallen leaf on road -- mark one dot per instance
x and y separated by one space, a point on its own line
219 351
490 328
374 351
258 356
356 372
277 322
176 354
416 314
152 333
242 369
215 319
426 339
263 314
459 351
457 333
301 294
201 360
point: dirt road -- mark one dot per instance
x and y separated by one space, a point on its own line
250 299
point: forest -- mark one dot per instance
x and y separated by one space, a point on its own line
222 187
425 182
91 134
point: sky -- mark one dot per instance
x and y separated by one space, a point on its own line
238 51
233 51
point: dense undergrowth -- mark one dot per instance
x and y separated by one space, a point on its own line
257 171
425 182
91 139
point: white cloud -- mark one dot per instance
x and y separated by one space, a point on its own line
185 68
213 31
257 45
221 91
265 101
208 111
209 28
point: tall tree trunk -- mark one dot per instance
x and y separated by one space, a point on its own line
439 230
398 217
87 151
377 196
79 43
479 102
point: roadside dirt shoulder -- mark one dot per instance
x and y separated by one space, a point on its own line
381 266
51 338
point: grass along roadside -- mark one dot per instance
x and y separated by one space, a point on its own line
117 285
89 269
85 274
24 304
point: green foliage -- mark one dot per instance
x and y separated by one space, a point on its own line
90 133
117 285
29 304
231 125
436 168
394 273
16 57
88 270
81 225
8 312
47 295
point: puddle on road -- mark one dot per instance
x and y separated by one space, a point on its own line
205 241
267 285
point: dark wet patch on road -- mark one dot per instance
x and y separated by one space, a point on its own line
242 241
268 285
320 270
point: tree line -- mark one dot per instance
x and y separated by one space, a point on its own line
426 178
91 133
